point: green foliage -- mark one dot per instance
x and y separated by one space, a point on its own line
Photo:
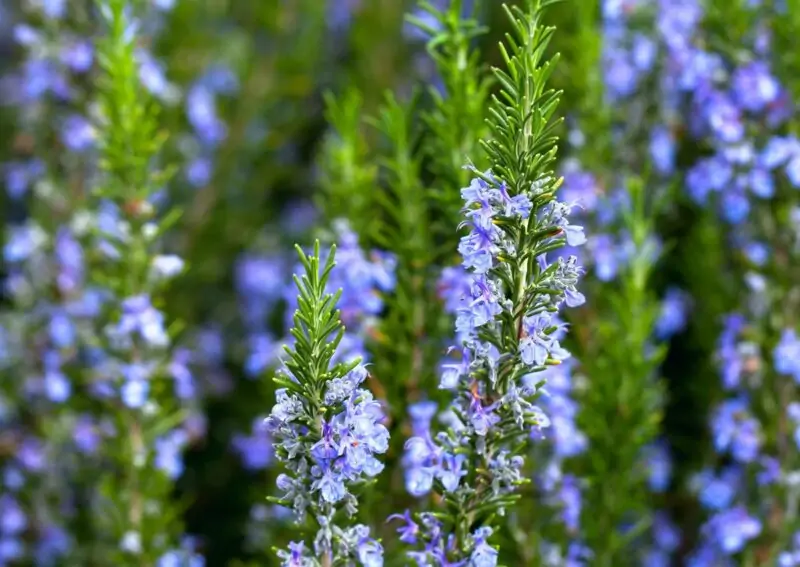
412 350
130 138
317 332
350 178
522 146
456 121
129 144
622 403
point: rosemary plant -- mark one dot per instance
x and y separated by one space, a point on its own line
327 430
506 322
142 389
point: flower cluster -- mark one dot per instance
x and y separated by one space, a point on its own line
737 434
327 429
562 440
491 400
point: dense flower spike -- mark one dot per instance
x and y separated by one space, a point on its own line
327 429
505 305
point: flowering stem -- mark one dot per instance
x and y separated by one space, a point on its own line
327 429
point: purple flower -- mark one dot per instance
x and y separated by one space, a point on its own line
479 247
370 552
12 517
140 317
519 205
735 429
571 500
421 414
62 330
793 171
30 454
77 133
134 393
662 149
643 52
86 435
672 318
180 558
778 151
482 417
326 448
666 535
786 356
452 373
754 87
295 557
659 465
255 450
718 492
451 470
78 55
620 76
20 175
712 174
152 74
580 187
202 113
168 453
199 171
57 386
735 206
732 529
483 555
331 486
761 183
54 9
409 531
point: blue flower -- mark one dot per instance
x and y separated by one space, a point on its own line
754 87
451 470
659 465
168 453
672 318
732 529
330 485
370 553
711 174
141 318
256 450
482 417
662 149
12 517
778 151
199 171
718 492
295 557
409 530
786 356
761 183
735 429
77 133
483 555
202 113
54 9
134 393
452 373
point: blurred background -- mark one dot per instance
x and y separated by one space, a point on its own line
279 126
